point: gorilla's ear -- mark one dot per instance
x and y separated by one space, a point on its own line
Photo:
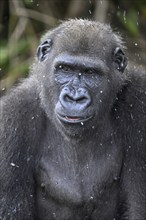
43 50
119 59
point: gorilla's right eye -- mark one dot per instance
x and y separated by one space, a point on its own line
64 68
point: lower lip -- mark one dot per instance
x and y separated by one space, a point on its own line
73 120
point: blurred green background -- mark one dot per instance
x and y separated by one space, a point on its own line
22 22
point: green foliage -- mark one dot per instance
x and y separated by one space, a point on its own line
130 22
14 61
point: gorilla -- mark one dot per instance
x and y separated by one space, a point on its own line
73 134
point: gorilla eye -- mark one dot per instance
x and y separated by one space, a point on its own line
65 68
90 71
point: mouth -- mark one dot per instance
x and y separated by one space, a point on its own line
73 119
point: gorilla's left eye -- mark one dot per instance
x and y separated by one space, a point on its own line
90 71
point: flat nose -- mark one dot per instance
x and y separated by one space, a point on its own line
77 99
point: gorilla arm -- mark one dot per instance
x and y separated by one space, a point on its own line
17 151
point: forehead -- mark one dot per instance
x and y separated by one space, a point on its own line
89 38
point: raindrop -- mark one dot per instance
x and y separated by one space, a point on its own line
90 12
42 185
91 197
82 123
60 66
100 100
43 76
3 89
13 165
28 159
101 91
124 16
132 117
80 74
54 214
135 44
115 178
32 117
37 5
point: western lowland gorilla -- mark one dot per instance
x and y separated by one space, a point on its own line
73 134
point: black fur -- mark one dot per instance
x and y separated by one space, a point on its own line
73 134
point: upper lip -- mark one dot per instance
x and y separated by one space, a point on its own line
73 119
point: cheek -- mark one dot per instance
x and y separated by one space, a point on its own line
92 82
49 95
63 78
102 97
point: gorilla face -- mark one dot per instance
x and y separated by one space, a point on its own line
81 79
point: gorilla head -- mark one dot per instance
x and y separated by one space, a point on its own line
82 63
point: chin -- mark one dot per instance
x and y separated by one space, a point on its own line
74 126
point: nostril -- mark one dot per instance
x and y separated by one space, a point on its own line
68 98
81 100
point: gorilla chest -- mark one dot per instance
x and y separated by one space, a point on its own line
66 182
